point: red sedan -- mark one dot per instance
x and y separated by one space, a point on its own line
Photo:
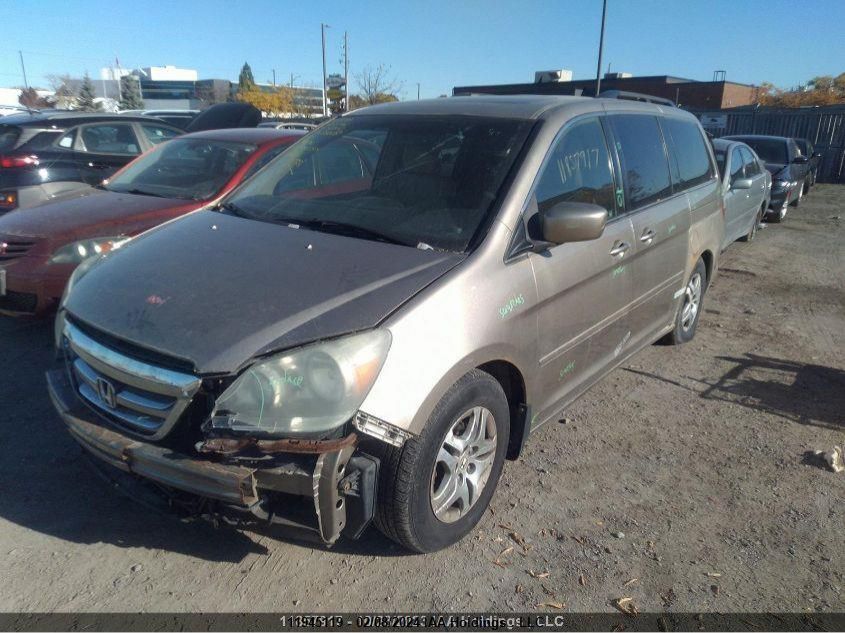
40 246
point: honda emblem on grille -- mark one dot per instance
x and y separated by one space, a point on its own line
106 392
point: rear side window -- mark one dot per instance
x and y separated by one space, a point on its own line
110 138
578 169
9 135
643 156
689 151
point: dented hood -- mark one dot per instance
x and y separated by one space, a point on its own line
217 290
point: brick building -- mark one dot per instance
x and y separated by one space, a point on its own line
711 95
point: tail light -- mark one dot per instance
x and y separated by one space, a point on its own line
9 162
8 200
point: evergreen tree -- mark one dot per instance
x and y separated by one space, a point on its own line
130 93
85 101
246 81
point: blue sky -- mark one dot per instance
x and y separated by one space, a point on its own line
437 43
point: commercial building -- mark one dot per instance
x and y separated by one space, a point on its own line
689 93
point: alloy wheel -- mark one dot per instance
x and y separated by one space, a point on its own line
463 464
692 301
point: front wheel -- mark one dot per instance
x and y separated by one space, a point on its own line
752 232
797 202
435 488
689 313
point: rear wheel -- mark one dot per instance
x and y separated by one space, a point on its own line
435 488
689 313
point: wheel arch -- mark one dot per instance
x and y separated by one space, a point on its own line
513 384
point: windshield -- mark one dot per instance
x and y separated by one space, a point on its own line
184 168
415 180
770 151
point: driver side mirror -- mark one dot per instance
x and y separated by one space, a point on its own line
741 183
817 155
572 222
799 160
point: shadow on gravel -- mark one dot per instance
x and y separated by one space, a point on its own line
47 483
800 392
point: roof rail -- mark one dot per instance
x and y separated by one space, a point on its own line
636 96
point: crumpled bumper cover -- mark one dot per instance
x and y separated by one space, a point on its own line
340 482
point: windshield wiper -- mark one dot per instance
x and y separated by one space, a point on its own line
331 226
143 192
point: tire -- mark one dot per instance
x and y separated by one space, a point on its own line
752 232
685 326
779 214
411 474
797 202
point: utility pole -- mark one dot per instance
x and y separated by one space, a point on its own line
23 70
601 47
323 28
274 77
418 91
346 71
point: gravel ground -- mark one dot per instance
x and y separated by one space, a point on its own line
682 481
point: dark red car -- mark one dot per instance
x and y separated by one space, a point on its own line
40 246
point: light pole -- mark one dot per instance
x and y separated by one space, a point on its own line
418 91
601 47
323 28
346 71
23 70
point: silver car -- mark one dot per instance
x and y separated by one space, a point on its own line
747 187
370 326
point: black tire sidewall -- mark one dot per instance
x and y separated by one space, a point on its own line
429 532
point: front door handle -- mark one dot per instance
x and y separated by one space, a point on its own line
619 249
648 236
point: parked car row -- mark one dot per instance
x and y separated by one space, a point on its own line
363 325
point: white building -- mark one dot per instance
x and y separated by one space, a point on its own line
114 74
169 73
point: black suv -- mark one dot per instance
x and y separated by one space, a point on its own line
43 155
814 158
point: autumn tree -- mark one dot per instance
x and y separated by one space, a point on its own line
29 98
63 95
821 90
274 102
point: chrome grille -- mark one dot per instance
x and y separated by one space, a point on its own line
13 249
143 398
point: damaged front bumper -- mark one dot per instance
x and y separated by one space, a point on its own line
322 488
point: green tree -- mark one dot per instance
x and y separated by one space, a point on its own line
246 82
130 93
85 100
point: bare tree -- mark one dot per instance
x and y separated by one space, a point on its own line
377 84
64 96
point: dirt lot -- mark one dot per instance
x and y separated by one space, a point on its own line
681 481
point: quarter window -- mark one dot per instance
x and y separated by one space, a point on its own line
156 134
643 156
689 151
578 169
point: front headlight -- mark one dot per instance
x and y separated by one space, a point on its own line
75 252
309 391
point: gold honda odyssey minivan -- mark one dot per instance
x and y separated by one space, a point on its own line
368 328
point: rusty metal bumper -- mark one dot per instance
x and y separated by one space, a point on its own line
341 483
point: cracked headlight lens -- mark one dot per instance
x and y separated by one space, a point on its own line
309 391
